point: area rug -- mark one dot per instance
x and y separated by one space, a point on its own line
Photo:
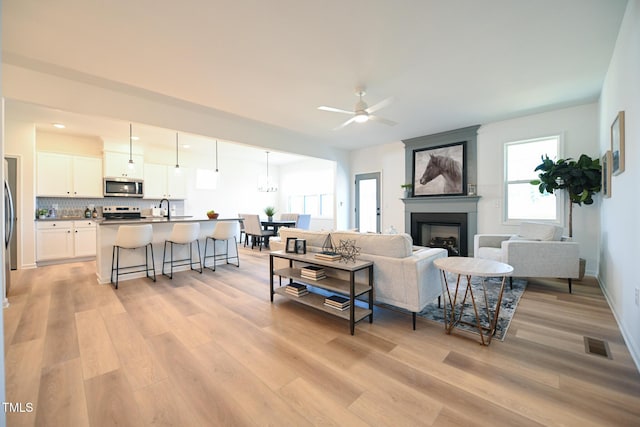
510 299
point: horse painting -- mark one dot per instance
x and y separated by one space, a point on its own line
444 162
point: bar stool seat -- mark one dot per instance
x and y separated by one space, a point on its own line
132 237
224 230
182 234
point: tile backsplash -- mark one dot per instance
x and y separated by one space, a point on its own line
72 206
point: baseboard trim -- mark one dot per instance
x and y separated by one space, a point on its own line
631 345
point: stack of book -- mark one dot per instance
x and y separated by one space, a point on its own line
337 302
312 272
296 289
328 255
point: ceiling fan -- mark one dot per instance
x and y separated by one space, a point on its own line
362 112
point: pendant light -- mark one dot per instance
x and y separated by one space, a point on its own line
265 184
177 169
131 166
217 156
215 177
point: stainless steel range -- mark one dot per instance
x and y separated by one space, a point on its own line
121 212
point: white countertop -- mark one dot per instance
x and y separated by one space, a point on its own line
153 220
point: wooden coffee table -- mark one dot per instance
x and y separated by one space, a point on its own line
468 267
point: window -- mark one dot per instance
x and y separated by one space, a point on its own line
524 201
314 204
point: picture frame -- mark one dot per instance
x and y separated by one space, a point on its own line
291 247
606 162
617 144
440 170
301 246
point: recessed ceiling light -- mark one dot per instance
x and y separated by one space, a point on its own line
135 138
186 146
58 125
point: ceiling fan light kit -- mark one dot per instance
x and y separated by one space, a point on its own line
362 112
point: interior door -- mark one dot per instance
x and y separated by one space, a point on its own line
368 202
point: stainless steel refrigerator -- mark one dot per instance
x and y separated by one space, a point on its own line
9 226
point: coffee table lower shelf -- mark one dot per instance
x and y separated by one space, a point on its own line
317 301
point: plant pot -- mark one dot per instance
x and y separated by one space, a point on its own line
407 194
270 218
213 216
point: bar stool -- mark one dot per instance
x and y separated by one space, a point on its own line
132 237
224 230
182 234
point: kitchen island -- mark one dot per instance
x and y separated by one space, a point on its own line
106 237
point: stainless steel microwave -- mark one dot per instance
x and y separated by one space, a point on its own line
123 187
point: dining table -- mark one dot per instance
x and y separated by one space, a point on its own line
275 224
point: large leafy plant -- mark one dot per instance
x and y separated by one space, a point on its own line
581 179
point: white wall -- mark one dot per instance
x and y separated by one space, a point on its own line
20 141
579 130
620 228
388 159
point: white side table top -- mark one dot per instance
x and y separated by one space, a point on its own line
473 266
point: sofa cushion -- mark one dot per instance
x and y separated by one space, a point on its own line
540 231
389 245
315 239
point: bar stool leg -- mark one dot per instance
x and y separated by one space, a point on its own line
206 242
199 255
146 261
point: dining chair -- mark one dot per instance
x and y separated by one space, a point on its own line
253 229
303 221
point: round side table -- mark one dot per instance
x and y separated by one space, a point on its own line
468 267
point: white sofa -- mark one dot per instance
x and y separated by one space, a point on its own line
538 250
403 275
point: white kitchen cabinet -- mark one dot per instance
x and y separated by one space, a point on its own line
117 165
54 240
161 182
63 175
57 240
84 243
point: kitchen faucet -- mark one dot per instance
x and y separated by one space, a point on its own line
168 209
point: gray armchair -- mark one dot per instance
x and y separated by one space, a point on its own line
538 250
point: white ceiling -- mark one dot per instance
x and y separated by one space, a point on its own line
447 64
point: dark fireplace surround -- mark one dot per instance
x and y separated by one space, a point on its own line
442 210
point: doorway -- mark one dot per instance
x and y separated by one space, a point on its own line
368 202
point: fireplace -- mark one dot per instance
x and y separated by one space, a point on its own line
443 218
448 230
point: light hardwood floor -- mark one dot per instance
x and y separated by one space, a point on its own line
211 350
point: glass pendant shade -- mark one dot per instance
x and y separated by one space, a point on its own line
266 183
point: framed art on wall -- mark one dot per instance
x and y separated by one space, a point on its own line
617 144
440 171
606 174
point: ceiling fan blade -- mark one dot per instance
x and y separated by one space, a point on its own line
382 120
345 123
334 110
380 105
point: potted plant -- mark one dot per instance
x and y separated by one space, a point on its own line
42 213
581 179
270 211
407 189
212 214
